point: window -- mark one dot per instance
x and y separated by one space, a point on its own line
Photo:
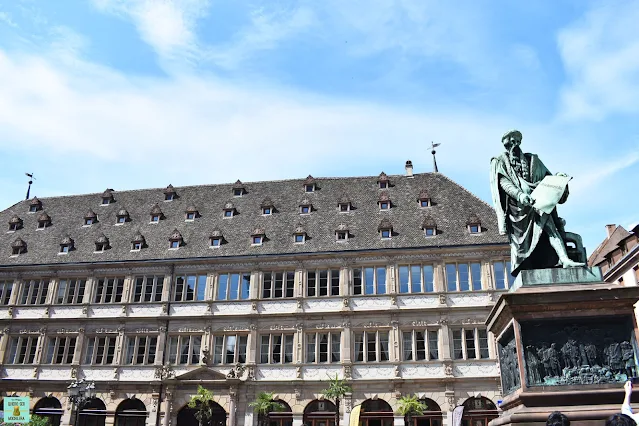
424 203
344 207
65 248
420 345
71 291
137 246
228 213
34 292
371 346
184 350
14 226
121 219
276 349
386 233
100 350
383 184
109 290
60 350
299 238
323 347
140 350
309 187
266 211
190 216
341 235
474 228
430 231
5 292
22 350
174 244
106 201
148 288
470 343
305 209
322 283
89 221
43 224
463 276
169 196
34 208
371 280
155 218
257 240
503 279
416 279
15 251
384 205
276 285
100 247
189 287
238 192
234 286
216 242
229 349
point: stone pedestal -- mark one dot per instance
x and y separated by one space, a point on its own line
566 342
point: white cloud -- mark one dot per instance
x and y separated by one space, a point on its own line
600 53
6 19
167 25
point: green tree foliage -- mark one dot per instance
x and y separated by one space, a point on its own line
410 406
203 403
264 405
336 390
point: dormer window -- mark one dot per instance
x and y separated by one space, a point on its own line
383 181
169 193
191 213
385 228
384 205
190 216
122 217
101 244
228 213
35 205
309 188
44 220
424 203
341 233
215 242
306 207
344 207
424 199
175 240
309 184
138 242
216 239
15 223
66 245
239 189
107 197
384 201
429 226
156 214
18 247
474 224
299 235
229 210
344 204
90 218
257 237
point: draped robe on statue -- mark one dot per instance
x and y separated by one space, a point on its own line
529 244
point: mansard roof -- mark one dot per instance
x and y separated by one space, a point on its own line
454 206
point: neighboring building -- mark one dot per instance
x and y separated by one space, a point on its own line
265 286
618 255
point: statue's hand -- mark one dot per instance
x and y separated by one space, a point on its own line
562 174
526 199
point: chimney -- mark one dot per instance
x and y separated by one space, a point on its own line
610 229
409 168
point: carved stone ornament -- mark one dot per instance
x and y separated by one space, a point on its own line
254 306
448 369
348 372
346 302
442 299
164 372
298 372
452 401
298 394
443 321
393 300
74 372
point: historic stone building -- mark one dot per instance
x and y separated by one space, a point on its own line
267 286
618 255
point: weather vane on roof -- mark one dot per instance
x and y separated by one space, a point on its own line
31 179
434 145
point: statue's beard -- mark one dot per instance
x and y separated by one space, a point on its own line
515 151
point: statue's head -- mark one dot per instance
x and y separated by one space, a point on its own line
511 139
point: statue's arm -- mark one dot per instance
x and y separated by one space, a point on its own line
509 188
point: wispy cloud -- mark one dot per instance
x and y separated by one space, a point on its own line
5 18
600 53
590 178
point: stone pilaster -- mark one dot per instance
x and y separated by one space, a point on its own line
15 291
255 285
166 288
119 347
346 342
79 345
232 406
4 341
211 286
162 338
252 345
345 281
439 280
444 337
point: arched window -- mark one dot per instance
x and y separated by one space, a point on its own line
186 416
320 413
131 412
92 413
478 411
50 408
432 414
281 418
376 412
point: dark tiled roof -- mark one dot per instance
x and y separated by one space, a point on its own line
15 219
451 211
609 245
169 190
429 222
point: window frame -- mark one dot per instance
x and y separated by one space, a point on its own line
199 290
424 286
424 201
156 287
80 289
17 251
106 201
6 289
88 221
386 233
414 350
194 350
432 229
174 244
287 283
23 347
136 246
155 218
267 211
120 219
477 343
92 351
28 298
317 282
189 219
228 213
365 346
227 287
507 279
240 348
60 350
150 340
471 280
257 240
474 228
344 207
299 235
285 338
169 196
341 233
306 209
102 293
212 241
382 184
376 284
384 205
309 187
33 208
238 192
332 337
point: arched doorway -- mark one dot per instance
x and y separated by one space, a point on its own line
432 414
279 418
186 416
92 413
50 408
131 412
376 412
319 413
478 411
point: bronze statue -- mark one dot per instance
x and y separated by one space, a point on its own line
537 239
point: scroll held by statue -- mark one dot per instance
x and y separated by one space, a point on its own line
548 192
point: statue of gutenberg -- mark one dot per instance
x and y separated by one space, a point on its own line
537 240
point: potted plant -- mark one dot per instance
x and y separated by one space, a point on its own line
264 405
202 402
410 406
336 390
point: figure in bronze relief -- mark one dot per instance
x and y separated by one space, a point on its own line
570 351
533 366
628 357
554 365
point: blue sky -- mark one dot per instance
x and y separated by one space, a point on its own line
130 94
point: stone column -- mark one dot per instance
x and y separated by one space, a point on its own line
211 282
4 341
391 282
255 284
168 402
298 419
161 346
248 413
127 290
345 281
166 288
439 281
346 342
42 346
298 344
52 290
79 345
444 335
394 340
232 406
488 281
15 291
119 347
252 345
89 290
